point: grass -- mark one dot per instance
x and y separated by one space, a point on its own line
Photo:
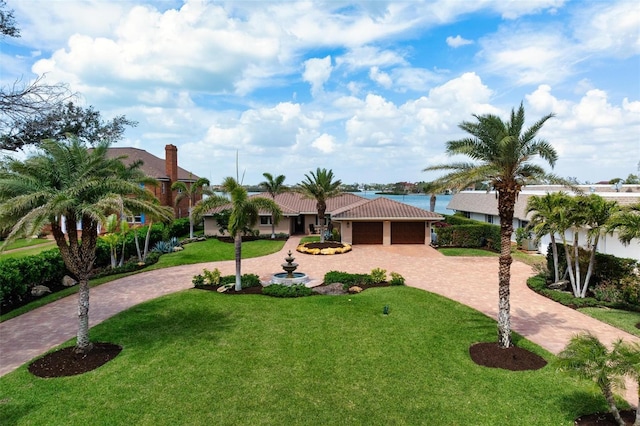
27 242
624 320
234 360
458 251
36 249
205 251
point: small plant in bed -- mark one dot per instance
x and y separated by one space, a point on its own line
281 290
212 281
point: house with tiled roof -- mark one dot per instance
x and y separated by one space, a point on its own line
359 220
165 170
483 206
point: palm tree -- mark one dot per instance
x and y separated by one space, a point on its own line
62 185
190 192
273 186
245 212
626 359
626 223
544 221
597 213
586 357
320 186
503 151
431 188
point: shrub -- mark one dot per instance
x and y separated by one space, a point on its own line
18 276
166 246
179 228
212 277
378 275
347 279
280 290
396 279
198 280
465 232
246 280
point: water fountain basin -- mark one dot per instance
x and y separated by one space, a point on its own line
284 279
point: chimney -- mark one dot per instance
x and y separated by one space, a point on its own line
171 162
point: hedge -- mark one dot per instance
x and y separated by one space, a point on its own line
19 275
468 233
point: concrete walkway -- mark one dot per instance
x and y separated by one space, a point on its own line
468 280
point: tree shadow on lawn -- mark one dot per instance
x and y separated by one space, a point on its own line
146 326
583 404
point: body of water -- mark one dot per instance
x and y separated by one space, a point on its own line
417 200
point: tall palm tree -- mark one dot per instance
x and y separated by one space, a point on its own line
190 192
245 212
320 186
431 188
544 221
586 357
503 152
273 186
66 180
598 213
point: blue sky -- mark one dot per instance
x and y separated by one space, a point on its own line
371 90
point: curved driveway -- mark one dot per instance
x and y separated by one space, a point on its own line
468 280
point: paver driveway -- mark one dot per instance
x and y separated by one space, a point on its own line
468 280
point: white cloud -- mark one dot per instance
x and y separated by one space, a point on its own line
458 41
380 77
316 72
325 143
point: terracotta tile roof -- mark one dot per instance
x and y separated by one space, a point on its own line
384 208
346 206
153 166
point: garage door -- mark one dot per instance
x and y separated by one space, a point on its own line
407 232
367 232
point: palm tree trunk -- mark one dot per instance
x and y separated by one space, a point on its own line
572 278
135 235
506 203
273 227
432 203
321 212
576 260
83 344
606 390
554 250
592 261
190 220
146 242
238 247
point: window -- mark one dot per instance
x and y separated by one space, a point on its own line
467 215
265 220
134 219
524 223
488 218
163 187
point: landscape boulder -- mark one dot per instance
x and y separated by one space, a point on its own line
67 281
40 290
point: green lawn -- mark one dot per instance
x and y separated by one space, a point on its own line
203 358
456 251
624 320
39 245
28 242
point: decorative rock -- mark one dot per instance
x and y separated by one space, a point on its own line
331 289
178 248
560 285
224 288
40 290
67 281
355 289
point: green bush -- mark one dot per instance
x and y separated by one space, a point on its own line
396 279
179 228
378 275
246 280
347 279
281 290
212 277
19 275
469 233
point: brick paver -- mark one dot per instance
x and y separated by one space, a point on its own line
468 280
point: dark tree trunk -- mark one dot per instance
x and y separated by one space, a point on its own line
238 247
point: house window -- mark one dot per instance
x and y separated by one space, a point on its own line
163 187
488 218
265 220
135 219
524 223
467 215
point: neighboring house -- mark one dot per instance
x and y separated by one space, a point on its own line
359 220
166 171
483 206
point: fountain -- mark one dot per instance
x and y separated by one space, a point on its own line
289 277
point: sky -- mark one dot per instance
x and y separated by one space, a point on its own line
372 90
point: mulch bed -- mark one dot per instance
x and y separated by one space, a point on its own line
326 244
513 358
65 362
605 419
